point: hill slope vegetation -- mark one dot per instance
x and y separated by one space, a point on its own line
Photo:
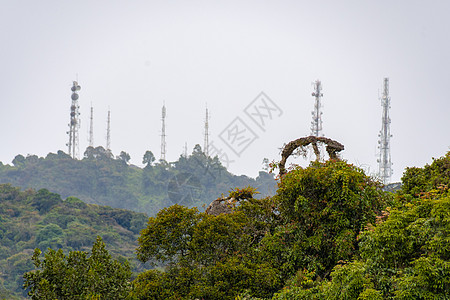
41 219
100 178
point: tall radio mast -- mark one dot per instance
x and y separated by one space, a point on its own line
185 150
316 124
91 128
74 124
206 139
163 133
384 142
108 132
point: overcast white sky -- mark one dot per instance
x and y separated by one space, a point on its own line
132 56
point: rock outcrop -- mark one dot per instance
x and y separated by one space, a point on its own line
220 206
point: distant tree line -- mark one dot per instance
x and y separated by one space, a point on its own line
103 179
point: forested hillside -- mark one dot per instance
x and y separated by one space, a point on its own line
100 178
329 232
41 219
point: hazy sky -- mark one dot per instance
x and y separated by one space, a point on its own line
132 56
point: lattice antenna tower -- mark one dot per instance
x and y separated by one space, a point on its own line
91 128
108 132
384 141
316 124
75 121
163 133
185 150
206 137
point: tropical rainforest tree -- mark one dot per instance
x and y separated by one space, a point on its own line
78 275
201 250
125 157
322 209
148 158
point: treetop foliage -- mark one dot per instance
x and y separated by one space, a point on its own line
78 275
431 179
405 254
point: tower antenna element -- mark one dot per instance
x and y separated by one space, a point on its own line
185 150
316 124
108 132
75 121
206 137
91 128
163 133
384 141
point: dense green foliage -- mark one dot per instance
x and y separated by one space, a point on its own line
78 275
208 257
101 179
330 232
323 208
30 219
404 255
308 227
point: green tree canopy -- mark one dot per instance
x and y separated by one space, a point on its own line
168 235
310 224
78 275
44 200
405 254
434 177
207 256
322 209
19 161
148 158
98 153
124 156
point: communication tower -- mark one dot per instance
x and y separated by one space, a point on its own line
185 150
163 133
316 124
74 124
384 141
108 132
206 138
91 128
